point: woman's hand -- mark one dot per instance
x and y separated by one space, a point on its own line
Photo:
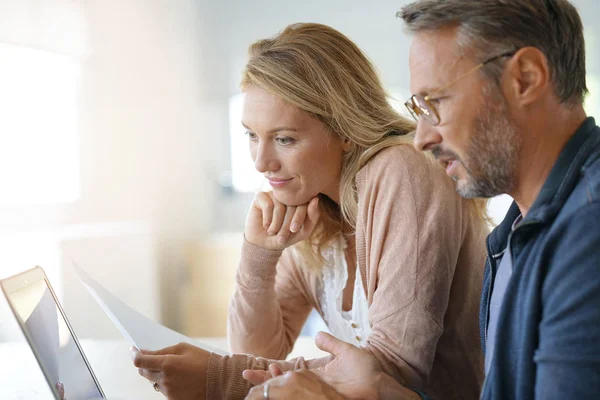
275 226
179 371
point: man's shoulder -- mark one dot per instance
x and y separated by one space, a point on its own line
575 235
591 176
585 193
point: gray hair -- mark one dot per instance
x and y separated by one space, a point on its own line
490 27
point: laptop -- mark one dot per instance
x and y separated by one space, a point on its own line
50 336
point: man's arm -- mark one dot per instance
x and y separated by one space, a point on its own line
568 355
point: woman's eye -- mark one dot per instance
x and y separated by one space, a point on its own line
251 135
284 140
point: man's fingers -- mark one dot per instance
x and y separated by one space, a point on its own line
330 344
275 393
256 377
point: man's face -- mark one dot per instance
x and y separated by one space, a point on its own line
476 140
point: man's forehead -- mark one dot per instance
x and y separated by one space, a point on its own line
434 57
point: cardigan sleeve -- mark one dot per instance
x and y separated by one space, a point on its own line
270 303
411 228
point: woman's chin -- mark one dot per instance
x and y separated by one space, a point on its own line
291 199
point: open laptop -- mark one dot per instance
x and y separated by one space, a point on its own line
50 336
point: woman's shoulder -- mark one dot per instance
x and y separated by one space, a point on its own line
399 161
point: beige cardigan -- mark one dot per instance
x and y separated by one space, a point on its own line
420 250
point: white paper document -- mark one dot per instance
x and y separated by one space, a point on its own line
136 328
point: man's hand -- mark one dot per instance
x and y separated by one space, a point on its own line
301 384
353 372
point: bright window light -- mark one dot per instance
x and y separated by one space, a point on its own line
592 101
39 147
397 97
244 177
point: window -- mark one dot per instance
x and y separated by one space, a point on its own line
39 146
592 101
244 177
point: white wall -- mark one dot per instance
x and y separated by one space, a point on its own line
155 82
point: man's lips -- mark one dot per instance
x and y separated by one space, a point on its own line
451 166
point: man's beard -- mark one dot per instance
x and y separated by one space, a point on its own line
492 155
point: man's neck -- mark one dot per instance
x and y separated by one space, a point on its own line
543 141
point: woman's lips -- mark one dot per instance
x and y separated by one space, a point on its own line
279 183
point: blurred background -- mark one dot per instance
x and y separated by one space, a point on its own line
121 148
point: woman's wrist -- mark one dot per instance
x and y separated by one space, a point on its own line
258 260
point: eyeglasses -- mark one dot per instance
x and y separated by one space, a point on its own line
421 106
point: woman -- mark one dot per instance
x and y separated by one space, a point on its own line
359 226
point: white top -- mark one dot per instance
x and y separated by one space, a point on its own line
350 326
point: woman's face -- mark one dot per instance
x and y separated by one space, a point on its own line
291 148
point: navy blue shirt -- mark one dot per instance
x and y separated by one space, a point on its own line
548 327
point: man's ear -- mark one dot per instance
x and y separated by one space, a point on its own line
529 76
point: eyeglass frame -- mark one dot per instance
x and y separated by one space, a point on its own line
417 111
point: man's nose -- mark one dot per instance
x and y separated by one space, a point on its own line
426 136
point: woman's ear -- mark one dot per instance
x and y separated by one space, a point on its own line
346 145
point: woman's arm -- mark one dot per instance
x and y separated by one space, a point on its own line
270 303
409 232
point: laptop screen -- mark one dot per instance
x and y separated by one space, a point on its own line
51 339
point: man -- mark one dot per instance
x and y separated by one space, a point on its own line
499 88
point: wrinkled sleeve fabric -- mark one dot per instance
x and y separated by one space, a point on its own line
411 220
270 303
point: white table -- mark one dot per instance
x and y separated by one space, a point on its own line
21 378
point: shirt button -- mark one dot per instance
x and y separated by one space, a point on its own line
358 338
353 325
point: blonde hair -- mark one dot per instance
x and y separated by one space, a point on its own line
321 71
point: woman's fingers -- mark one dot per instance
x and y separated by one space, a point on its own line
298 218
284 231
152 376
313 215
256 377
279 211
264 203
147 361
274 225
275 370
